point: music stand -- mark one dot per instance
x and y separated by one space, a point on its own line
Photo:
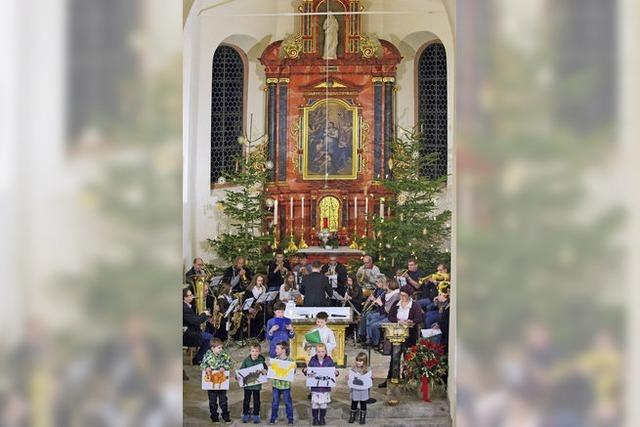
266 298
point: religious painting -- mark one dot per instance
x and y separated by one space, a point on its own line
330 136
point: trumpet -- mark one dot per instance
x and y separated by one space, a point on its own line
369 305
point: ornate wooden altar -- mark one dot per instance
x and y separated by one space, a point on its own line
329 123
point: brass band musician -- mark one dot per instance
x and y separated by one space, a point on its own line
238 275
337 275
196 270
367 273
277 271
412 276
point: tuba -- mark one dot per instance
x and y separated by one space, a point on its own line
200 292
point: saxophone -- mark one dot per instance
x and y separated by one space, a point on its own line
216 316
236 316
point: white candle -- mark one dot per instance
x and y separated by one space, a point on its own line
275 212
302 204
366 206
291 207
355 207
381 207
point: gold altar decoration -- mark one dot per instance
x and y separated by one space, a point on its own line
292 46
300 355
303 243
329 208
370 46
292 248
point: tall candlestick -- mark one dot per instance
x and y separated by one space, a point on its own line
275 212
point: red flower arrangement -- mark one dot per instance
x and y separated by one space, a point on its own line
426 359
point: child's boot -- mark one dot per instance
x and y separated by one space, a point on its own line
363 417
322 422
353 416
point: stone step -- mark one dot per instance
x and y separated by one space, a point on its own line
434 414
371 421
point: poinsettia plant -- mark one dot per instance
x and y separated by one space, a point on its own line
426 359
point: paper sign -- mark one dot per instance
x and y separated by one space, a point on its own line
360 381
313 337
215 380
321 377
281 369
426 333
251 376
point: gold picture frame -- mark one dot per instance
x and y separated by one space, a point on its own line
330 140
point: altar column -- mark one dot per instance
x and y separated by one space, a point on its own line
389 125
377 127
283 86
271 124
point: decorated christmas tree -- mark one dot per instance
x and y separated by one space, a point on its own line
244 204
416 227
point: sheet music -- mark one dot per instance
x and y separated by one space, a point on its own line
248 303
272 295
337 296
333 279
262 298
231 307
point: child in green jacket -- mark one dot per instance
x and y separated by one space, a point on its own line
254 358
217 359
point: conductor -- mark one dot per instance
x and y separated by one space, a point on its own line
315 287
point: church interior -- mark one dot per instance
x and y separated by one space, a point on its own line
309 127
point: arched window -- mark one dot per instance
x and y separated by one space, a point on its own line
227 109
432 107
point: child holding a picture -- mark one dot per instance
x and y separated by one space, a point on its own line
252 391
281 388
215 360
320 396
360 367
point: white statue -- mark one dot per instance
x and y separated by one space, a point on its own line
330 37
